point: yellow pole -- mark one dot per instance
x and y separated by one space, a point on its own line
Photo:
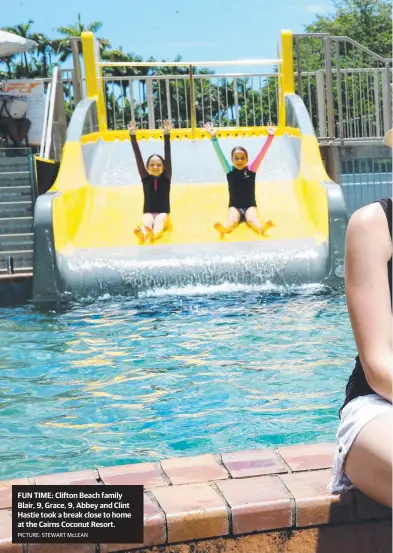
287 80
94 83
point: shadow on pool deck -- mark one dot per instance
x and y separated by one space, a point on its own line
372 535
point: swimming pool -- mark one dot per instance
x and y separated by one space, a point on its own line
169 374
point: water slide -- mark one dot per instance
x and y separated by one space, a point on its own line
84 240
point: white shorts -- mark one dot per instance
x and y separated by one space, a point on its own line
355 415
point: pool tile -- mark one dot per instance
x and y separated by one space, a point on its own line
61 548
314 504
256 462
193 511
6 545
154 529
308 457
144 474
6 491
257 504
366 508
81 477
188 470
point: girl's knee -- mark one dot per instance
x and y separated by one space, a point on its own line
162 218
148 220
234 217
251 215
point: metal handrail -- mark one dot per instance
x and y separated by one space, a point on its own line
45 123
344 70
184 77
364 48
342 38
187 63
51 111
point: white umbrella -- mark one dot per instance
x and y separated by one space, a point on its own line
11 44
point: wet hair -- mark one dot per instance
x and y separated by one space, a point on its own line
239 149
155 155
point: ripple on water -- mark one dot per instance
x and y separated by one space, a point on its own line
174 373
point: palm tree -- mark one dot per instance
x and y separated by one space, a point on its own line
9 73
44 51
23 30
63 45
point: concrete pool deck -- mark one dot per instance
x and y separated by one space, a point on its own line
259 501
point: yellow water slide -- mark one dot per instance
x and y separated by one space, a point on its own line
84 240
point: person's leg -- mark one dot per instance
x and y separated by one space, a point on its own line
23 129
253 221
232 222
10 128
147 227
160 224
369 461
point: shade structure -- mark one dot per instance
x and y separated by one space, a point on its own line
11 44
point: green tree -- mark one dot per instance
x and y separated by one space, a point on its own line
63 45
43 59
369 22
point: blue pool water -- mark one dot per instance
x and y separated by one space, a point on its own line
130 380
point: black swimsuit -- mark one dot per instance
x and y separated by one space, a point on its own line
156 190
357 383
241 184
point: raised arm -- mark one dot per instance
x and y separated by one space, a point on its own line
368 249
263 151
137 153
217 148
167 148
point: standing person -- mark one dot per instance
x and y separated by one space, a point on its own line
156 180
241 183
364 438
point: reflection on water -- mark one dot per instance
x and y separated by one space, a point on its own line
114 382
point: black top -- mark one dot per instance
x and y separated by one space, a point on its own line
241 184
156 190
357 383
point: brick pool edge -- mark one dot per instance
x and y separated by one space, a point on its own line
259 501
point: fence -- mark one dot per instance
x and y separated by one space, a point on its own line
226 100
345 86
70 96
366 174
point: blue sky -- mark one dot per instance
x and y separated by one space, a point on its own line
197 30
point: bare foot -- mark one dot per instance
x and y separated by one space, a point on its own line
139 234
219 228
266 226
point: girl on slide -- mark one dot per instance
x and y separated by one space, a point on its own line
241 183
156 180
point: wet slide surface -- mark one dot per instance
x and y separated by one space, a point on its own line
85 244
84 239
199 195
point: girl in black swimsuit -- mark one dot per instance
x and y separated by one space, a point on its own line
241 177
156 180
